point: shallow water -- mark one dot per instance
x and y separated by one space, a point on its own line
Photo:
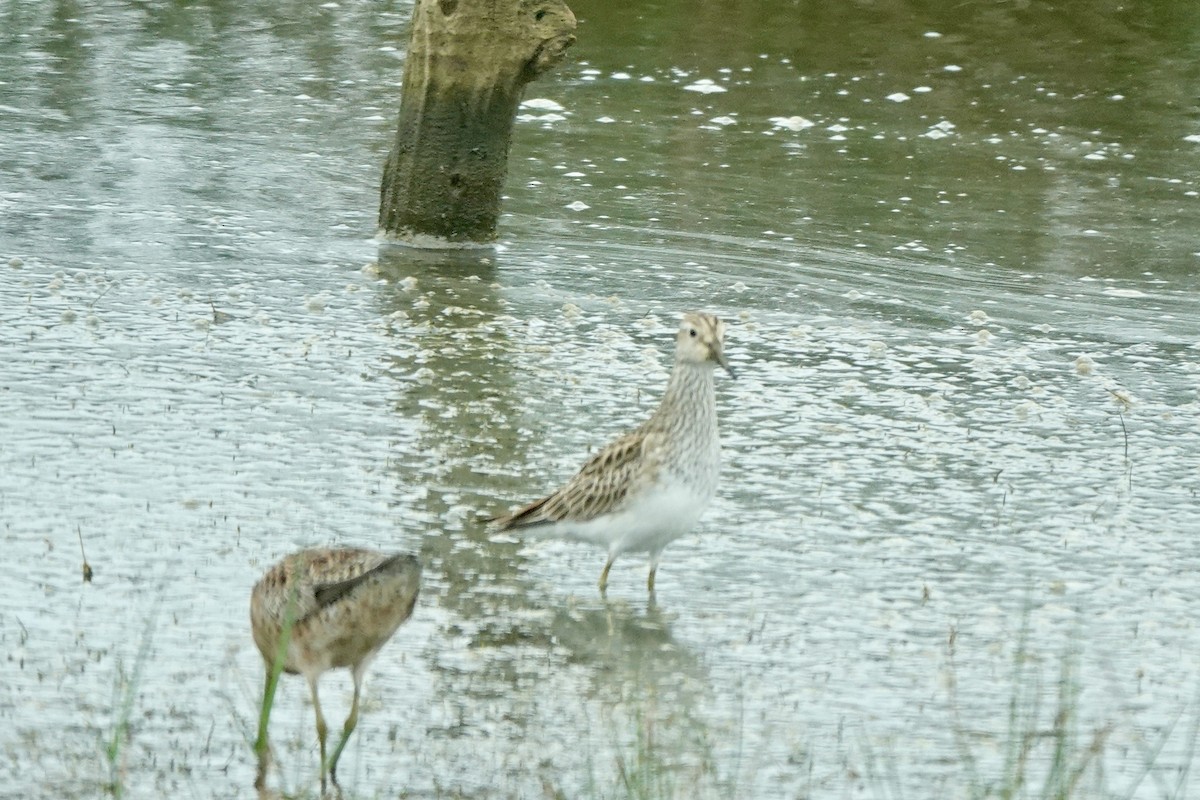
961 452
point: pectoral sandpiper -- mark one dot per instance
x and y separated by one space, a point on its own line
317 610
648 487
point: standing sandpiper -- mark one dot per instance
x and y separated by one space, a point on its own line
650 486
320 609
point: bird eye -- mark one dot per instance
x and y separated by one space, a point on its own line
692 332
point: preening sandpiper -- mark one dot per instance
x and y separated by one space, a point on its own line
317 610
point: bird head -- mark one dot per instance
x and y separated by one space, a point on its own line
701 340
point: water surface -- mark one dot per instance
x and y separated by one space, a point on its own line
957 253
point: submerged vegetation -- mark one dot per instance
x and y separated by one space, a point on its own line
126 686
649 747
1044 755
1047 752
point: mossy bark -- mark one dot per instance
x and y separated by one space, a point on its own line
468 62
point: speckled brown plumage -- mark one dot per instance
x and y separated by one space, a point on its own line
343 605
602 484
647 487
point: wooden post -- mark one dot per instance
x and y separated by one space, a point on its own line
467 64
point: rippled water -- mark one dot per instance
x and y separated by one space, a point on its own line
961 452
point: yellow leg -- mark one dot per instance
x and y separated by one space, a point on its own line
654 557
322 730
604 575
348 728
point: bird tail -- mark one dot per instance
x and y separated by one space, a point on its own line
524 517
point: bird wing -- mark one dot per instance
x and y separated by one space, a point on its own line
297 581
599 488
326 594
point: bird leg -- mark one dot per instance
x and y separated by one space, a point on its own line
654 557
351 722
604 575
322 730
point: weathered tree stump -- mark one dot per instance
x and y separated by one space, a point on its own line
468 62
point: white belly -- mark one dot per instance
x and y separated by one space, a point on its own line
647 524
